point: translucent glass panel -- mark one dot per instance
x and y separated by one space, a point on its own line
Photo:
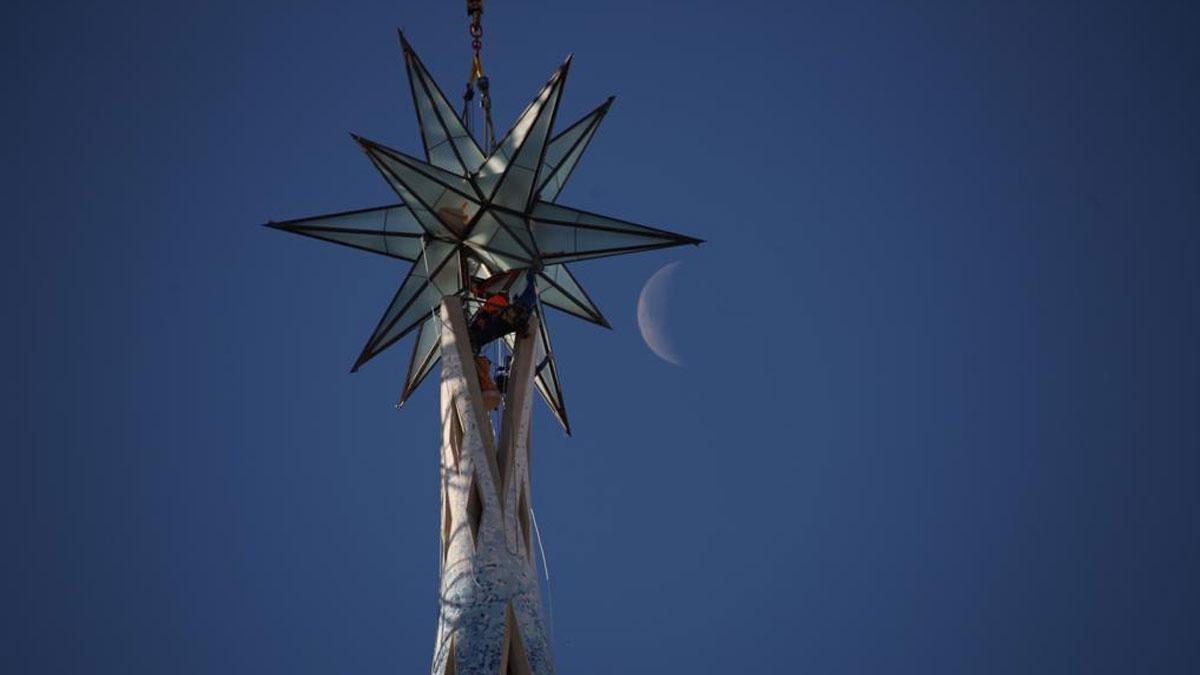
546 373
427 350
516 187
509 175
434 275
564 234
447 143
518 228
496 244
564 150
546 379
442 202
558 288
388 230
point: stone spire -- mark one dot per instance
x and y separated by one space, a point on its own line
491 612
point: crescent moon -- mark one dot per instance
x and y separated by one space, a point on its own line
652 314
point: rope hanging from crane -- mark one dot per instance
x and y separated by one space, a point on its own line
477 78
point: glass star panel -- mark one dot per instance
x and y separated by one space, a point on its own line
388 230
558 288
565 151
564 234
448 145
427 349
434 275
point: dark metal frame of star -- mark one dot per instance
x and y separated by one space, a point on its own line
420 223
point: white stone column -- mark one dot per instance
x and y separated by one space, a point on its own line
491 611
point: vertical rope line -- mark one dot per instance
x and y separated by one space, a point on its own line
545 570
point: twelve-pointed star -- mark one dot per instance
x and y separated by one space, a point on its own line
465 216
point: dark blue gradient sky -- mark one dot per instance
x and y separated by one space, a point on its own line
939 413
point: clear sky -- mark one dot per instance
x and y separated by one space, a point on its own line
939 407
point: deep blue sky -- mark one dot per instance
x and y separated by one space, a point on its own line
940 407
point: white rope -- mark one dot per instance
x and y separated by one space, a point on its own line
545 570
537 531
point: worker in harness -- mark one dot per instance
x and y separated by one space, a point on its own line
496 318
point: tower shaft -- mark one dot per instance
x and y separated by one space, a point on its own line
490 619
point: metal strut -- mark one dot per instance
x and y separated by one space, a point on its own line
478 78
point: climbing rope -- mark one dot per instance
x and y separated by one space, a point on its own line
545 570
477 78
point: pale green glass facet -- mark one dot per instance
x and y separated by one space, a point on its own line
447 142
516 188
426 352
389 230
558 288
564 152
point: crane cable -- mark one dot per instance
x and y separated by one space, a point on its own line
478 78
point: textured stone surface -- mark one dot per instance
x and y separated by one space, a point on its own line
488 564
